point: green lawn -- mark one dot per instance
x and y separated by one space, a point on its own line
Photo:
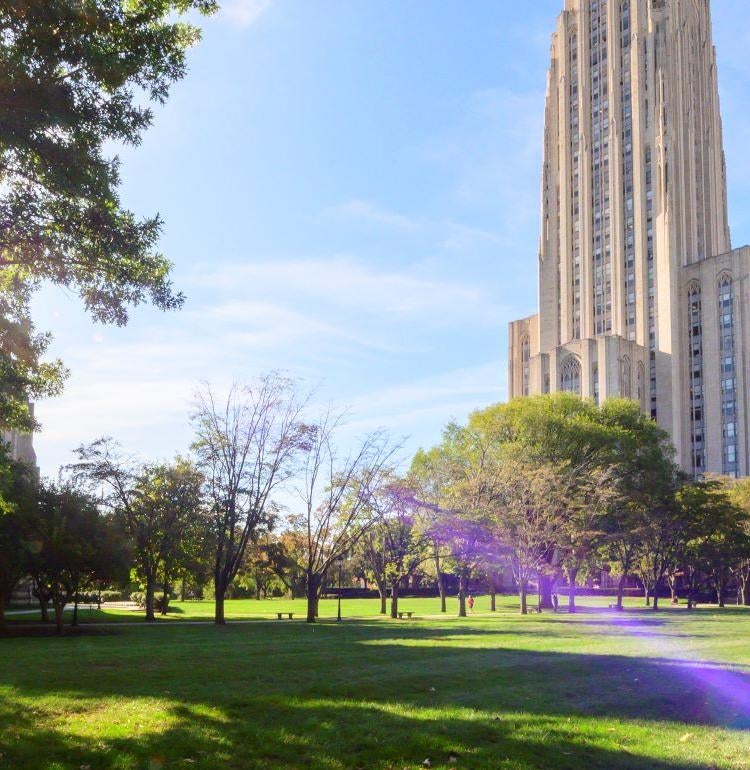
635 691
252 609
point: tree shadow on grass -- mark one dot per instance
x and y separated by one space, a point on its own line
355 695
263 733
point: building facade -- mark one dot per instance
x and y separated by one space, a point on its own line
640 293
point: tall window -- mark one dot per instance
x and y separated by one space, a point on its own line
642 385
575 182
601 235
651 280
626 97
728 374
570 376
525 362
695 377
626 377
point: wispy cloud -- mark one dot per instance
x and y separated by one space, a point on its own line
347 284
366 211
244 13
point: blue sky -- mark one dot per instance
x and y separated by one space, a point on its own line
350 195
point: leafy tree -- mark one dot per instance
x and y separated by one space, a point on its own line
718 537
266 564
430 478
404 539
739 494
23 374
371 562
74 545
247 448
160 505
73 79
294 541
469 544
17 508
525 514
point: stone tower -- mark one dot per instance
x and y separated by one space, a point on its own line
640 294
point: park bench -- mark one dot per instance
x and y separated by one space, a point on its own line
401 615
280 615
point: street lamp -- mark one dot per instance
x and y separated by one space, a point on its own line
340 561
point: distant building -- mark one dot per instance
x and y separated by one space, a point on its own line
21 444
640 294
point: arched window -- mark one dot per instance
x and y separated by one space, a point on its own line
525 362
728 374
570 376
695 377
626 377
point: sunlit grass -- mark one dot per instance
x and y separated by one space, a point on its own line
594 690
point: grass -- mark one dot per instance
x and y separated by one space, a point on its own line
252 609
636 691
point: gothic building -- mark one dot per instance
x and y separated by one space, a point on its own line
640 293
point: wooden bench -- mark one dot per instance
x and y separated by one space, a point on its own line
401 615
280 615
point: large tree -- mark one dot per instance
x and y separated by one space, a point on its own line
75 80
18 485
75 545
161 505
247 446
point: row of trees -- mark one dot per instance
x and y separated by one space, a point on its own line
560 489
551 489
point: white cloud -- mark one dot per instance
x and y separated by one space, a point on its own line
368 212
406 408
345 284
244 13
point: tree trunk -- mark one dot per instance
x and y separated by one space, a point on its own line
621 590
150 617
493 592
572 577
545 592
522 590
2 611
462 581
394 599
647 594
75 609
312 597
383 596
59 610
219 591
440 579
745 593
167 595
657 586
720 590
43 610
